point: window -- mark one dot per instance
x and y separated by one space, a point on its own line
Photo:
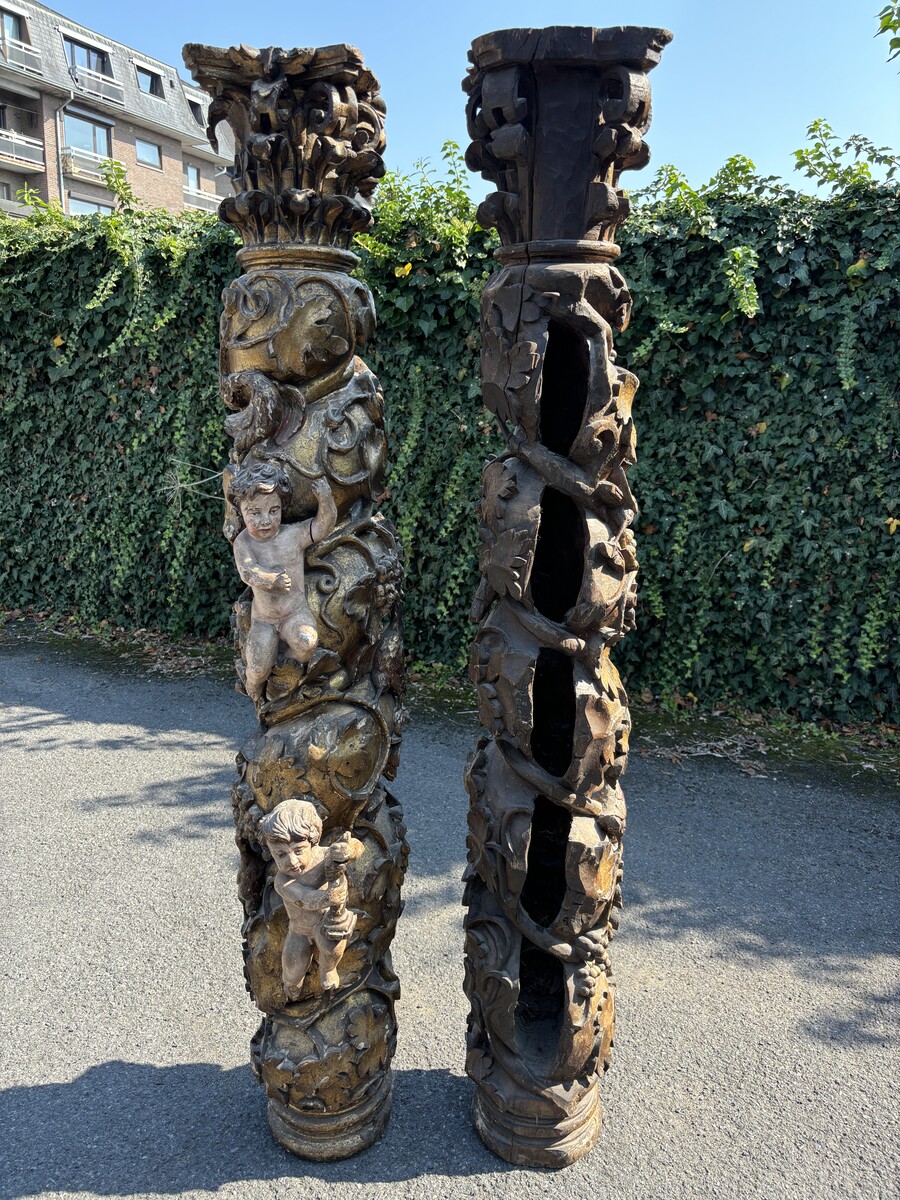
11 26
148 153
80 208
192 177
5 191
87 57
196 111
15 43
149 82
83 134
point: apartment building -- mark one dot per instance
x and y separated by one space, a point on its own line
70 97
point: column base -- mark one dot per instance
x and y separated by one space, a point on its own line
533 1141
326 1137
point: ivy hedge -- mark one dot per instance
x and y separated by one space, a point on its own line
768 417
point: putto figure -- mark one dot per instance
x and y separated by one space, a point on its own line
312 882
317 625
270 559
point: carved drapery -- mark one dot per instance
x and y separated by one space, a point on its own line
318 626
555 115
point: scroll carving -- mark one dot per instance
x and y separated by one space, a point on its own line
322 841
309 133
555 116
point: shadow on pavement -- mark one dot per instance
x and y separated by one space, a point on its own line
132 1129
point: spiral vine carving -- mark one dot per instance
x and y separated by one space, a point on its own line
555 115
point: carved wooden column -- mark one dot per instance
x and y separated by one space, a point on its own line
321 840
554 115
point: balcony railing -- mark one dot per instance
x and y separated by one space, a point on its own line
26 150
207 201
98 84
84 163
21 55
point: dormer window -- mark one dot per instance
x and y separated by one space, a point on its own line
89 58
11 26
150 82
15 44
196 111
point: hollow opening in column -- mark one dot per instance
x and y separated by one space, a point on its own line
564 387
559 556
553 711
545 879
540 1007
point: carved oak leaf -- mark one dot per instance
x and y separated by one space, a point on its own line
507 370
501 402
314 1073
359 1029
507 563
366 1037
500 485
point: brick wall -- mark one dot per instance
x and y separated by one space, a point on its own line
207 174
15 181
48 183
161 188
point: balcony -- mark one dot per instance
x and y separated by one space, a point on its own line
95 83
26 152
205 201
20 55
84 164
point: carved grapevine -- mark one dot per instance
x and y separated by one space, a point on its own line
309 133
555 115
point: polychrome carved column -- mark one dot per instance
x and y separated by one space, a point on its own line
555 115
322 845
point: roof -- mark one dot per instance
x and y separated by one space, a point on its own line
170 113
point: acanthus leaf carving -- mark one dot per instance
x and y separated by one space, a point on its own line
555 116
322 842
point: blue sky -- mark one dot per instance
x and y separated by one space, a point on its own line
738 78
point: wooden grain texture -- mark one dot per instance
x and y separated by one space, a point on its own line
318 626
555 116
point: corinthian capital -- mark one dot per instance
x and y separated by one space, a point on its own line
309 137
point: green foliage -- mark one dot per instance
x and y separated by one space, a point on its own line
889 22
827 161
427 264
116 180
108 386
768 470
769 422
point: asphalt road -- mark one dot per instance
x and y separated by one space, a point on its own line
756 962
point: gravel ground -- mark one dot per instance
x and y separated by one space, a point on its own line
755 964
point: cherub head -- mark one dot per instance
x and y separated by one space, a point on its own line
260 492
291 830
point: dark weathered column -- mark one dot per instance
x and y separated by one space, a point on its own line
554 115
321 839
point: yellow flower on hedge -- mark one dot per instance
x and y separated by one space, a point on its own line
402 272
